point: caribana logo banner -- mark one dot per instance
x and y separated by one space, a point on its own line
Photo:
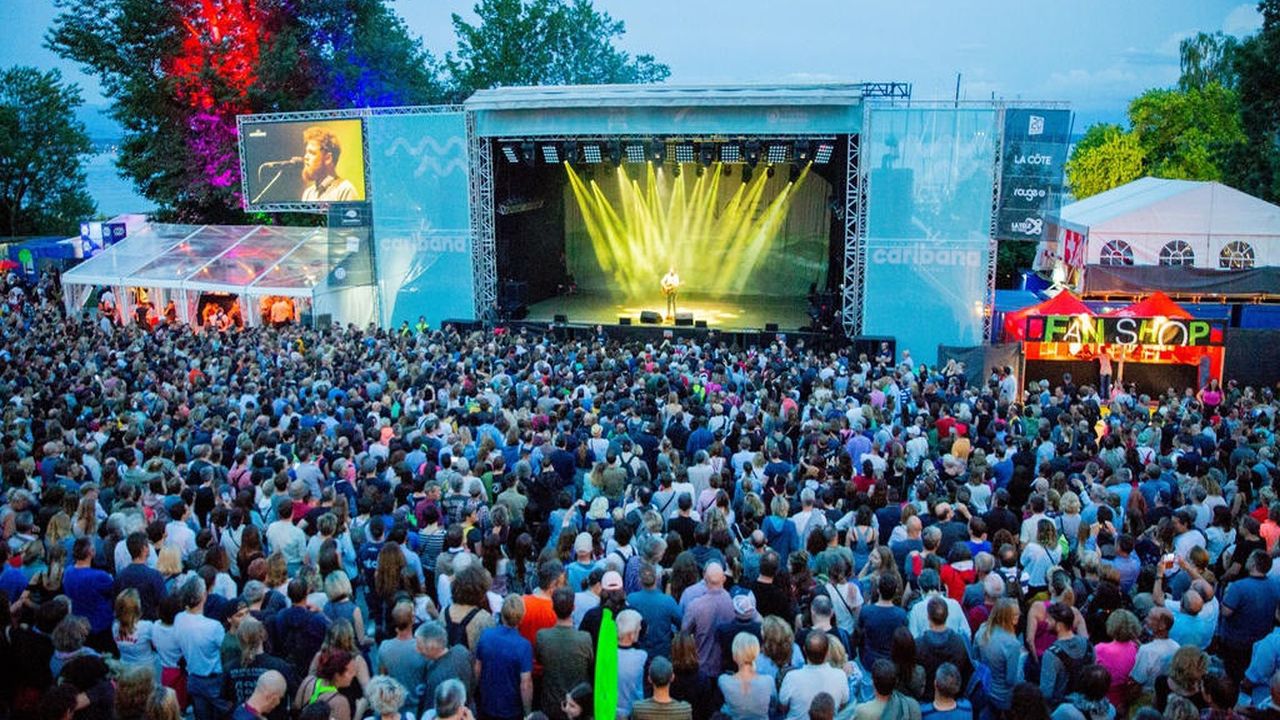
1088 330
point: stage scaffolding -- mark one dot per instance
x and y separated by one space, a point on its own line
484 247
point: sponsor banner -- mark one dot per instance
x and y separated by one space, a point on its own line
350 249
1031 174
1086 330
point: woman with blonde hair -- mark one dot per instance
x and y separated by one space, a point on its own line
133 690
747 693
163 705
996 645
341 605
385 696
131 633
169 565
1185 678
778 650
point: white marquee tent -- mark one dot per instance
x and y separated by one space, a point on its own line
186 262
1151 221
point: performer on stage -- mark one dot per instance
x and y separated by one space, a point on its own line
670 286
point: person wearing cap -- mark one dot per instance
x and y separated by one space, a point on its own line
745 620
612 597
565 654
577 571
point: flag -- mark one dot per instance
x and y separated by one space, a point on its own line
1073 249
606 686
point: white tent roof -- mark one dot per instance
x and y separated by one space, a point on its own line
1170 208
245 259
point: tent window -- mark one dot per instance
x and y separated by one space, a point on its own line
1116 252
1177 253
1236 255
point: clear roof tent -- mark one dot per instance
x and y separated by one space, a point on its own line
247 260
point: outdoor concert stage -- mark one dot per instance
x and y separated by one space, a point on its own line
728 314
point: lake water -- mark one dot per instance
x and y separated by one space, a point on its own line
113 194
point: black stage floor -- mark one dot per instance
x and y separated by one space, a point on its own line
750 313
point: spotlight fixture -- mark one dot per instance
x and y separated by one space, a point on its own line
708 153
753 152
730 153
550 154
509 152
591 154
675 171
658 151
684 152
635 153
529 152
769 171
572 154
803 151
822 155
777 154
615 153
700 170
746 174
726 169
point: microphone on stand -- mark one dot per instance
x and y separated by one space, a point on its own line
295 160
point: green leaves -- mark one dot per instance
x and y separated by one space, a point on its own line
1110 158
42 183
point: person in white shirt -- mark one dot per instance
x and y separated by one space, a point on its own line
287 538
1153 657
200 641
918 616
180 535
1031 525
802 685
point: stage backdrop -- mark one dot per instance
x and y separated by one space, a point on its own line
422 226
928 224
767 237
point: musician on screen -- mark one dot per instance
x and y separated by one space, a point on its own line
319 168
670 286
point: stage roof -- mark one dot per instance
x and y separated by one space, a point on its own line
594 96
619 110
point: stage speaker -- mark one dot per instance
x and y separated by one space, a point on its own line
649 317
625 320
684 319
324 321
700 324
561 319
771 327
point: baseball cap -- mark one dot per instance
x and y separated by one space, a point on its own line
744 606
582 543
612 581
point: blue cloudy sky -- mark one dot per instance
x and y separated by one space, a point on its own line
1097 54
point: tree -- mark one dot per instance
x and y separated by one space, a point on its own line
1112 158
543 42
1207 58
179 72
42 182
1187 134
1254 166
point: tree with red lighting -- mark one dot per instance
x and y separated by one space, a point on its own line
180 71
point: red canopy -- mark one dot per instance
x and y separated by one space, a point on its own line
1064 303
1158 305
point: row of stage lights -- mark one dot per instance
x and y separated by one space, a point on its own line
750 153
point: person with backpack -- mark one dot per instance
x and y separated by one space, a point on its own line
1061 666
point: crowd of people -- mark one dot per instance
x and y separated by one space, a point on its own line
344 523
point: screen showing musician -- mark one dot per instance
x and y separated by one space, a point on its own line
670 287
304 161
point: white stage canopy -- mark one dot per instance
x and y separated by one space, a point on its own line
181 262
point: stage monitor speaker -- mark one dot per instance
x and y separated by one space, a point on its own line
771 327
700 324
625 320
561 319
649 317
684 319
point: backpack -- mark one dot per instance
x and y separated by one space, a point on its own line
458 631
1072 667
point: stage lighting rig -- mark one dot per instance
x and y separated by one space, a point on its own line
550 154
572 153
708 153
509 152
635 153
529 152
753 152
730 153
684 152
591 154
777 153
822 155
658 151
803 151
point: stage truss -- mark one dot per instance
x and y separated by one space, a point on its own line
854 251
484 247
989 300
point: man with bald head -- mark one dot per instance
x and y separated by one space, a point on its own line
705 614
902 549
267 695
802 685
1194 619
1154 655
